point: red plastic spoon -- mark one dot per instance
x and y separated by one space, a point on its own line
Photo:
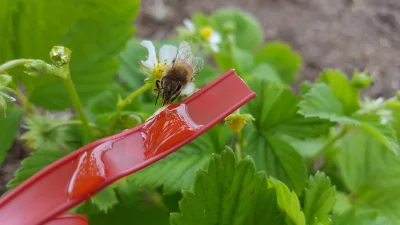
78 176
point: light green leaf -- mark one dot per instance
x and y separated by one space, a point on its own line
265 72
289 203
275 104
8 130
246 29
224 61
33 164
343 89
375 185
96 31
285 61
277 158
105 199
177 171
319 199
358 217
321 102
243 60
235 194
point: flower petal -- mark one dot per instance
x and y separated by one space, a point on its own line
151 62
215 37
189 25
167 54
214 47
189 89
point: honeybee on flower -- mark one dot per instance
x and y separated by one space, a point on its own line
172 73
207 32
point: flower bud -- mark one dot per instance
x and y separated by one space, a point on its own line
361 80
60 56
237 121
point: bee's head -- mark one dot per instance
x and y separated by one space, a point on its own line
170 89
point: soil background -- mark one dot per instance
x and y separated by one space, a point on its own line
342 34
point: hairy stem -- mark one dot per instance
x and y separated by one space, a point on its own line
239 146
13 63
123 103
28 107
69 85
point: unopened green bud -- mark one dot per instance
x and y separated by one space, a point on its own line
361 80
60 56
237 121
38 68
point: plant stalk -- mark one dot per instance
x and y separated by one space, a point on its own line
69 85
123 103
13 63
28 107
239 146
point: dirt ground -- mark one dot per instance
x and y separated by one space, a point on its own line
343 34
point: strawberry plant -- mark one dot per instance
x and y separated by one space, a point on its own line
325 154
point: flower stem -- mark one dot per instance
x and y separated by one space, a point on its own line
13 63
328 145
239 146
69 85
123 103
28 107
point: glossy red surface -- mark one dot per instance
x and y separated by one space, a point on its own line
83 173
167 129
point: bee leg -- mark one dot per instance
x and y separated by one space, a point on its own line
178 92
159 90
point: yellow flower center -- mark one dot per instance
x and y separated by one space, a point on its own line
237 122
206 32
158 72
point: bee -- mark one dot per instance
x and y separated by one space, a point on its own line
179 74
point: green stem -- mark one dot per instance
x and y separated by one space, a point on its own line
28 107
76 122
328 145
69 85
13 63
239 146
123 103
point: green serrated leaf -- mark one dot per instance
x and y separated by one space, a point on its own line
235 194
33 164
321 102
243 60
375 185
277 159
8 130
343 89
93 65
105 199
289 203
285 61
246 29
268 108
177 171
319 199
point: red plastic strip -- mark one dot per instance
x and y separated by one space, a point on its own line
48 194
68 219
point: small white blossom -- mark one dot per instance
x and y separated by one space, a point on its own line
207 32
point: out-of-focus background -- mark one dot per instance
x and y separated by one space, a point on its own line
342 34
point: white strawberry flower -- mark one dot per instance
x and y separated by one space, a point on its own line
207 32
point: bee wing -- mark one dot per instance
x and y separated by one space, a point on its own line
184 55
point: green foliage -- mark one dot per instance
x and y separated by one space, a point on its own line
177 171
233 193
95 38
8 131
283 60
319 199
318 157
33 164
375 185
